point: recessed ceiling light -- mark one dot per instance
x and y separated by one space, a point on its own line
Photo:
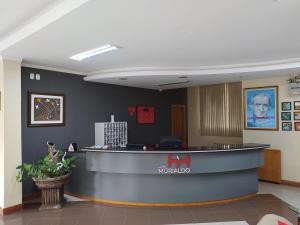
93 52
183 77
182 82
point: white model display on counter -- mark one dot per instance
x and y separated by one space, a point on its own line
111 134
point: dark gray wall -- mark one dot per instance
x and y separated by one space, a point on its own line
87 103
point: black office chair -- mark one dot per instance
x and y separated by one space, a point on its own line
170 142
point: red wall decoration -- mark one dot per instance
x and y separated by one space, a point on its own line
145 114
131 110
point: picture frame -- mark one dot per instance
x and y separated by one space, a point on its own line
297 115
261 108
286 106
45 109
296 105
287 126
297 126
286 116
145 114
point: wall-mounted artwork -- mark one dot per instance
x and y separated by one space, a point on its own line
131 110
297 126
287 126
296 115
46 109
296 105
261 108
286 106
286 116
145 114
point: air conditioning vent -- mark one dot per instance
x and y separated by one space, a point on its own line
294 88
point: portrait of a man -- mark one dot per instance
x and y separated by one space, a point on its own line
261 108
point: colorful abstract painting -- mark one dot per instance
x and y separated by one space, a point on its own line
46 109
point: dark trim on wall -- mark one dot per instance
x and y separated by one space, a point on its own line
11 209
284 182
291 183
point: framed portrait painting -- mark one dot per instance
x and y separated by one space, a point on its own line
261 108
46 109
145 114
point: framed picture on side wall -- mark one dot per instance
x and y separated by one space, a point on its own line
261 108
297 126
46 109
296 105
145 114
286 116
287 126
297 115
286 106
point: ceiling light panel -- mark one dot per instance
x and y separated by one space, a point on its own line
94 52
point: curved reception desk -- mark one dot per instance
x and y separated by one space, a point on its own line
193 176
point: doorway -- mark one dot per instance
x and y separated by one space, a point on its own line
178 122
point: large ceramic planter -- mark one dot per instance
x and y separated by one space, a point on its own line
52 191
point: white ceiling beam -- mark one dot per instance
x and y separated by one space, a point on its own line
43 19
57 69
226 69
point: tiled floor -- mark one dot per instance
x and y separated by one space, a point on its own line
85 213
289 194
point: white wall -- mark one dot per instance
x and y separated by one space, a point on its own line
194 135
1 136
10 132
287 141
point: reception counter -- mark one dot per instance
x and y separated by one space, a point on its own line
161 177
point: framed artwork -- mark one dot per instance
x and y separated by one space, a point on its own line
261 108
297 126
286 116
296 105
145 114
287 126
296 115
286 106
46 109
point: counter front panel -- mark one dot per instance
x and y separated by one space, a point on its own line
153 163
171 177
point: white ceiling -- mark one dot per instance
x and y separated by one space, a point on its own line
14 13
202 39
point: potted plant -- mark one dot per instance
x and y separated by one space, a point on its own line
50 174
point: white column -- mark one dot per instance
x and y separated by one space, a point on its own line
10 132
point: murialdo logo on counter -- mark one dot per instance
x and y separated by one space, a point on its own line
176 165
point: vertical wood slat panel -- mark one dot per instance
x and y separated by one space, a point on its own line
221 110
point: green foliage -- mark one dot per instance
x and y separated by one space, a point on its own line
47 167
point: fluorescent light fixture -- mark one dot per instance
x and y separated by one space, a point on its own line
93 52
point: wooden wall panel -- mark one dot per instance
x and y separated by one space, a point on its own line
271 171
